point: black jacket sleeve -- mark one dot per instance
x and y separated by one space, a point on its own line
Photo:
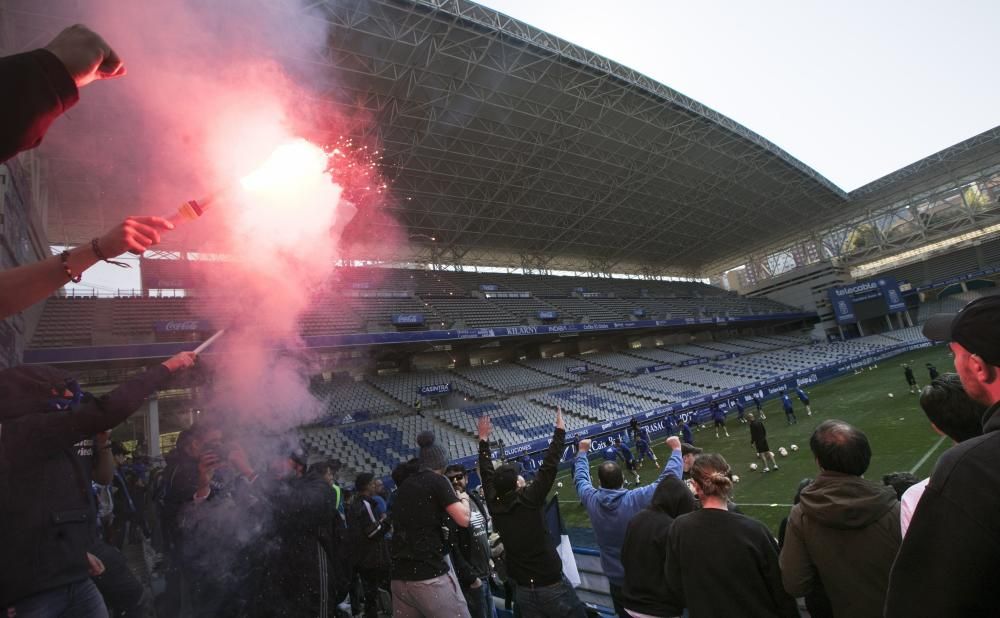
486 471
29 438
37 88
536 492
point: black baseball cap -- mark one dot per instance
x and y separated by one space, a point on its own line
976 327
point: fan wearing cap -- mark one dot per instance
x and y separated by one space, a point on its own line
950 557
422 582
519 516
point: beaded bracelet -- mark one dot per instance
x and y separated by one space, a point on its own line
64 258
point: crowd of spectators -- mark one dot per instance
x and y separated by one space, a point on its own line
252 526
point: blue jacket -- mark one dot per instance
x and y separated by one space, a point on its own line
611 509
786 403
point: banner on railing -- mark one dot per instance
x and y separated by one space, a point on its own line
435 389
577 369
488 287
548 315
507 294
408 319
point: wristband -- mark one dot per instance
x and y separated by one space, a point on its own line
96 246
64 259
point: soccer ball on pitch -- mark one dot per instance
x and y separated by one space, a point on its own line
753 466
794 447
736 478
559 484
890 395
783 451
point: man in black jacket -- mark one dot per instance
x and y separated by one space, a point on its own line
47 429
949 558
470 547
519 517
369 549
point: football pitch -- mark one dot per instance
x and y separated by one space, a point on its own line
900 435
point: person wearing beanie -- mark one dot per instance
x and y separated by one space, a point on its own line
369 548
423 584
431 455
519 516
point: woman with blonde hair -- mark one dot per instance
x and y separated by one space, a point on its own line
721 563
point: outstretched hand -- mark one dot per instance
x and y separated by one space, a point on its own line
584 445
135 234
86 56
560 424
674 443
485 427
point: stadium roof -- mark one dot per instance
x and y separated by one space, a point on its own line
512 147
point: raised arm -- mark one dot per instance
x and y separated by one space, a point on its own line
486 459
546 476
581 473
674 467
33 436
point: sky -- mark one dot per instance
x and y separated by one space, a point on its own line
855 89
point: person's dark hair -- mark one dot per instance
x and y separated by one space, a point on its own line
711 472
454 468
950 408
405 470
610 475
672 497
841 447
900 482
798 490
618 440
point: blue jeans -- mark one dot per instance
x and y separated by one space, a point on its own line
480 601
77 600
555 601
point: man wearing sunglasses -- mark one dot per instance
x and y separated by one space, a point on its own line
470 547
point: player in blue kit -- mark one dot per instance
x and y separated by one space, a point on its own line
740 410
786 403
760 406
642 443
719 417
804 398
686 434
625 454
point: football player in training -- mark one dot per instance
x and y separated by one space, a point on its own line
911 380
758 439
786 403
686 434
625 454
760 407
642 443
719 417
804 398
740 410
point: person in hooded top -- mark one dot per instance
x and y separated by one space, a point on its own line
611 507
845 529
644 552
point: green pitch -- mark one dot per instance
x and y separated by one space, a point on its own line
900 435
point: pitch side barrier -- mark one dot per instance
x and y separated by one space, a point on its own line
164 350
603 434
